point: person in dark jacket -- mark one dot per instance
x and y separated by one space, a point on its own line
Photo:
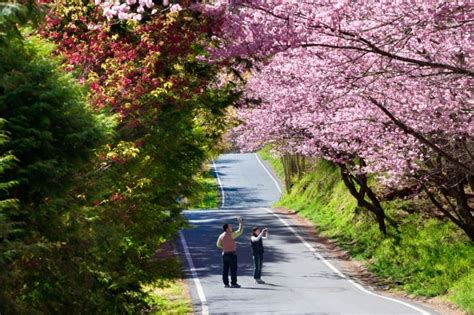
257 251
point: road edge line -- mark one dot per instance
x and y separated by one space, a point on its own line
269 174
197 282
220 184
333 268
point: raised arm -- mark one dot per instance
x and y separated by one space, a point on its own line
240 230
263 235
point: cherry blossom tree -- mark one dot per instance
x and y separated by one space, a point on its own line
385 83
388 83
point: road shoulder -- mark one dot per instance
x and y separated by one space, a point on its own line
358 271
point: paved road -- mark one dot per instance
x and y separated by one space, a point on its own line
300 278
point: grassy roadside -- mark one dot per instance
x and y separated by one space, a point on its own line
173 298
168 295
427 258
207 194
275 163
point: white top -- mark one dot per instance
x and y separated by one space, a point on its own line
260 236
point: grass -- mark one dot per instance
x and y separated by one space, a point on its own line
207 194
172 298
267 155
427 257
169 294
461 292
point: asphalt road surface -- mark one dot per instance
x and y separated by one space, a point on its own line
301 279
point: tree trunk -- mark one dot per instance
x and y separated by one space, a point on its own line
293 167
373 205
461 214
465 212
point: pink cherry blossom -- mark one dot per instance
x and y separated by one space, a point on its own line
386 81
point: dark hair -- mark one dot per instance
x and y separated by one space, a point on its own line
254 229
225 226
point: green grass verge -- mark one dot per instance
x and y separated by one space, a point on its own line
168 295
427 258
277 166
172 298
206 195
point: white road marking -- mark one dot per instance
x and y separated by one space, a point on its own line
305 243
220 184
327 263
200 290
339 273
197 282
269 174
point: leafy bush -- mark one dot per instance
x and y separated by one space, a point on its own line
53 135
97 192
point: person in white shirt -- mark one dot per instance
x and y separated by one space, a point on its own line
257 251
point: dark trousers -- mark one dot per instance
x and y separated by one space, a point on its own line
257 265
230 262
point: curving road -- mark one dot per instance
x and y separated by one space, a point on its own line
301 278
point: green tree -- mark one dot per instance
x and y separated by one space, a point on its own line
53 135
97 193
7 227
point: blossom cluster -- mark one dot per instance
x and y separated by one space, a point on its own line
134 71
134 9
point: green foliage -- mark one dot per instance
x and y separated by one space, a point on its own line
426 257
51 128
13 15
138 195
461 291
96 194
53 135
7 227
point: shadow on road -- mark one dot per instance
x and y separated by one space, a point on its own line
244 197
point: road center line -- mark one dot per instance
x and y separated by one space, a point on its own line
268 172
220 184
197 282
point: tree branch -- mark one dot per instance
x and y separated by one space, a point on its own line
418 136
